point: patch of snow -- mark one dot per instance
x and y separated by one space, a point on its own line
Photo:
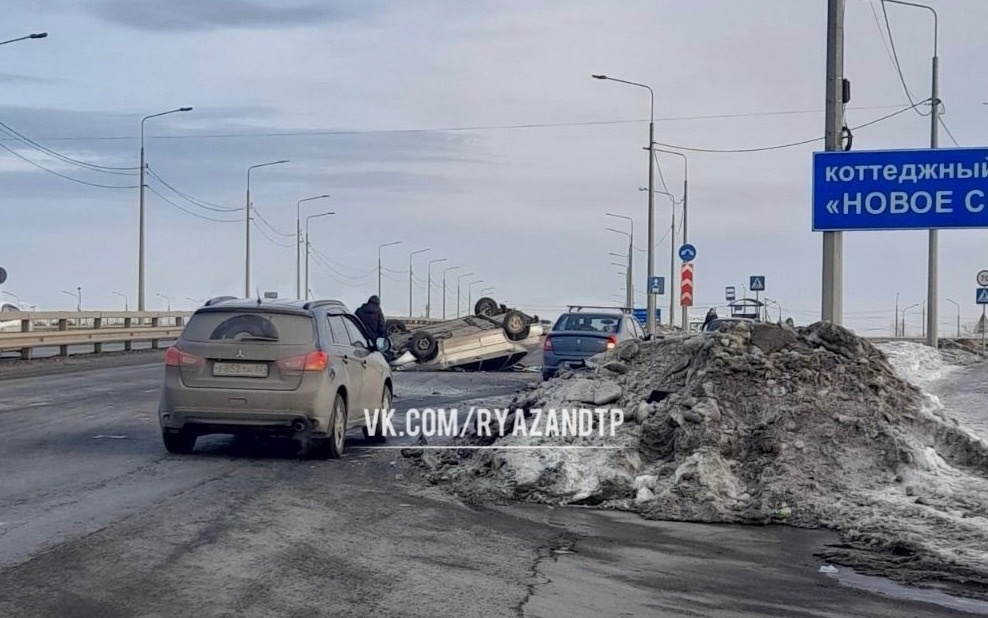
916 363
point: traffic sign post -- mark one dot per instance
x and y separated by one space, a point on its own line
981 297
686 293
730 293
687 253
657 285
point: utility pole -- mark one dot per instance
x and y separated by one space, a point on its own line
387 244
833 242
672 265
428 288
444 288
895 322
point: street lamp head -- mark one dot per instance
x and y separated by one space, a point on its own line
598 76
185 109
39 35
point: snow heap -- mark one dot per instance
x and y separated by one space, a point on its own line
916 363
810 427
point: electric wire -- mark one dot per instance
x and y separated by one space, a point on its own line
189 198
64 176
105 169
186 211
790 144
898 65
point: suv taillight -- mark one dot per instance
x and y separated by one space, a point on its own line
177 358
547 344
612 341
317 360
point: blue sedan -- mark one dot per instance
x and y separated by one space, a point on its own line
578 335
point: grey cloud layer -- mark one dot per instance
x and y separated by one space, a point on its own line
199 15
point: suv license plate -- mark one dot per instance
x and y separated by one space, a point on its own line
241 370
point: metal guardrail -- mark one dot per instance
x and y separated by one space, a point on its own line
27 330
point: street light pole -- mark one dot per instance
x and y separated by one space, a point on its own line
470 293
307 245
298 242
38 35
958 316
650 323
895 322
387 244
140 235
904 312
933 242
411 284
77 295
444 287
458 281
167 300
686 192
629 285
126 304
428 288
247 226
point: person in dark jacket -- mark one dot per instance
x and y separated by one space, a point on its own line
372 317
711 316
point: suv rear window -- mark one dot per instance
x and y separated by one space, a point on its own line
253 326
589 322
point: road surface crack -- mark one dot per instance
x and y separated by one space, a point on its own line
562 544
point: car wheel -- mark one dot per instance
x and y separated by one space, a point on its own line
181 442
515 325
379 436
424 346
394 327
485 306
336 440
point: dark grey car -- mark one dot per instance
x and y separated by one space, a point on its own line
301 369
578 335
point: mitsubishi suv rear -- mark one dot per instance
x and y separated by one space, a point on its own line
300 369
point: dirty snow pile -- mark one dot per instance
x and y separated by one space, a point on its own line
760 424
923 366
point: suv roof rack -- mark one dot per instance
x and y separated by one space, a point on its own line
218 299
312 304
574 308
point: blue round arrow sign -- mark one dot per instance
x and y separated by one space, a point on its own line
687 253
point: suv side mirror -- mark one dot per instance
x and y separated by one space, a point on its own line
382 344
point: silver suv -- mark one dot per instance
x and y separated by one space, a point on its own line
300 369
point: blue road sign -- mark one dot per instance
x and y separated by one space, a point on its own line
657 285
982 296
642 315
900 189
730 293
687 253
756 283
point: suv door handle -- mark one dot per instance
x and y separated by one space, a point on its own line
346 359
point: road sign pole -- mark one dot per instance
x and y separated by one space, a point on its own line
983 307
934 241
833 242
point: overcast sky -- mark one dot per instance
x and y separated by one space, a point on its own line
341 83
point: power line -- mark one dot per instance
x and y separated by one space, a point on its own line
790 144
328 265
273 241
185 210
189 198
947 129
337 132
105 169
898 66
271 227
60 175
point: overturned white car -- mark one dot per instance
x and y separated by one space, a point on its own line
492 339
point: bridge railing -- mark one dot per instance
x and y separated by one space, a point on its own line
27 331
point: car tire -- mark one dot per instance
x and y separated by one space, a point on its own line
181 442
515 325
424 346
485 307
335 442
394 327
379 437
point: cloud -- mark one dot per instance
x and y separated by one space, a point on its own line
14 78
196 15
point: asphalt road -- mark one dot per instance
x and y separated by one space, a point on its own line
96 519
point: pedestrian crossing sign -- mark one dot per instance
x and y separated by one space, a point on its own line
983 296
